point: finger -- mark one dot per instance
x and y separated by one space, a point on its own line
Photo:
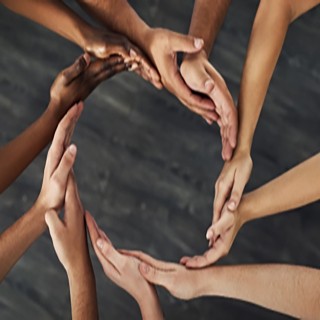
223 225
108 73
182 43
150 260
184 260
92 228
62 172
73 205
76 69
57 147
222 191
153 275
110 253
104 64
233 125
237 191
209 257
53 222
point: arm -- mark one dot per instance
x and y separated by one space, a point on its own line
17 239
71 85
70 242
295 188
268 34
160 45
124 271
292 290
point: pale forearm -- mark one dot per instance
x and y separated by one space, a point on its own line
266 41
295 188
150 307
83 292
118 16
207 19
292 290
54 15
20 152
15 241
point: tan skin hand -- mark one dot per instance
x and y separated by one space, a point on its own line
163 46
123 270
103 44
177 279
231 183
79 80
221 235
60 159
202 77
69 234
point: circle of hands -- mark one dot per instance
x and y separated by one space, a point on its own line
199 86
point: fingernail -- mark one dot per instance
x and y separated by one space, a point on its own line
232 205
209 84
133 67
133 54
209 234
144 268
198 43
72 149
100 243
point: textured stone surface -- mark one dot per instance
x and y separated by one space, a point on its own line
146 166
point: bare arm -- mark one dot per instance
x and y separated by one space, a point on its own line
18 238
292 290
268 34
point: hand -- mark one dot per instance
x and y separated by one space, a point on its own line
231 183
75 83
123 270
162 47
221 235
178 280
60 160
69 235
202 77
103 44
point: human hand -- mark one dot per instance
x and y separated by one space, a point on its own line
162 47
123 270
221 235
69 234
60 160
231 183
202 77
103 44
181 282
76 82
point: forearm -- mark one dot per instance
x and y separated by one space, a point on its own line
207 19
150 307
292 290
120 17
295 188
266 41
20 152
18 238
83 292
54 15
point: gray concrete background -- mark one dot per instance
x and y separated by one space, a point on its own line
146 165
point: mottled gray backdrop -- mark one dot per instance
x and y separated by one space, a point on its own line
146 165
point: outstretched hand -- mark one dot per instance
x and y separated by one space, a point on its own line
104 44
202 77
162 47
60 159
76 82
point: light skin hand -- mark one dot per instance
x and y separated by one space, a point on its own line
76 82
162 47
70 243
202 77
60 160
123 270
178 280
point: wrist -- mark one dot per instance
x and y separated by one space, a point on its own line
149 305
246 209
79 270
53 112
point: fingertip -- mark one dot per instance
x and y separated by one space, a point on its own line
209 234
198 43
72 149
232 205
144 268
209 85
87 58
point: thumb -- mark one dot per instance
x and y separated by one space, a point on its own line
52 220
152 275
183 43
236 193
